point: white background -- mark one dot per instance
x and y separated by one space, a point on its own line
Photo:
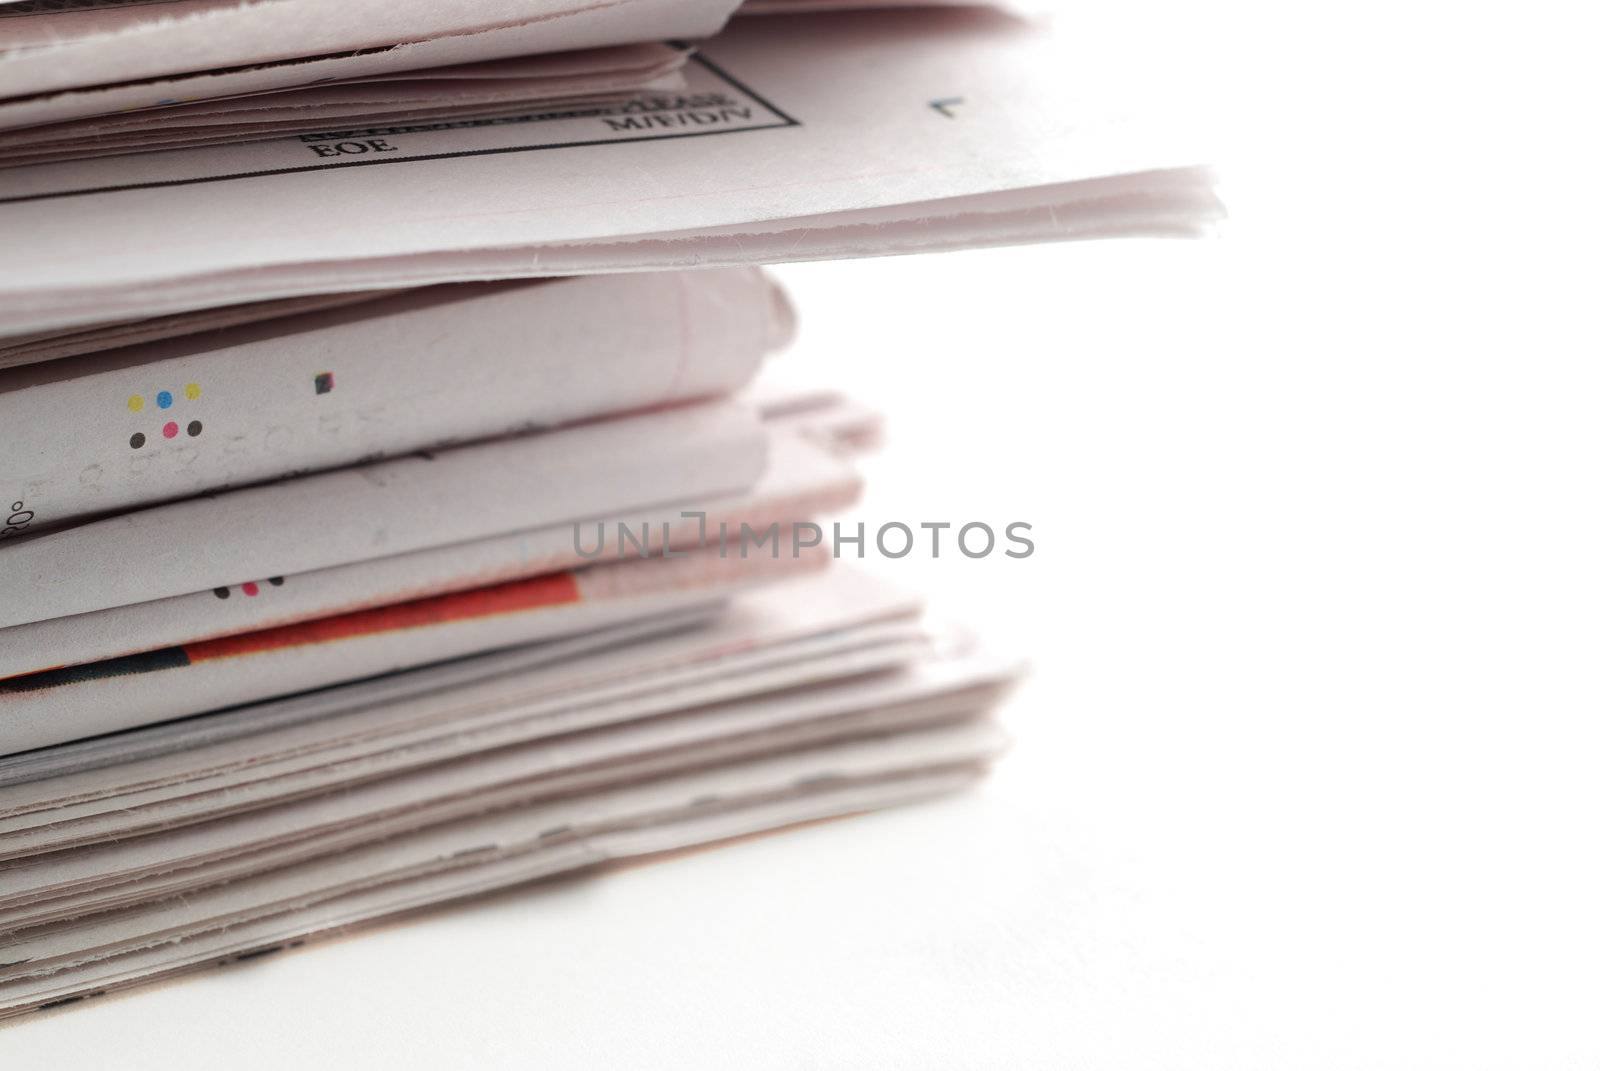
1306 772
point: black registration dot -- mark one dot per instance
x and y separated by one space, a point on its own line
275 581
194 427
221 593
136 440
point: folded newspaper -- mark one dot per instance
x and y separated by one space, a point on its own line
794 137
392 507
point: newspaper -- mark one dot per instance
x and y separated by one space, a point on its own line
794 138
802 480
62 705
510 848
814 697
419 370
735 716
255 534
249 755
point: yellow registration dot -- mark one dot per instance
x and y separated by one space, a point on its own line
136 402
192 391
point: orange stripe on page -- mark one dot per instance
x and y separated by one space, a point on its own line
552 589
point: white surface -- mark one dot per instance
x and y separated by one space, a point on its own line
1306 775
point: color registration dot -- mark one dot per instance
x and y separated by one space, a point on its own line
250 587
323 382
136 402
192 391
164 399
170 429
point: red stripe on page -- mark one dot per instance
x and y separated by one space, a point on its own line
552 589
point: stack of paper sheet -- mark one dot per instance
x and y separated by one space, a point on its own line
388 513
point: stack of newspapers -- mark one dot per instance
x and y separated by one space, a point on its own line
391 506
